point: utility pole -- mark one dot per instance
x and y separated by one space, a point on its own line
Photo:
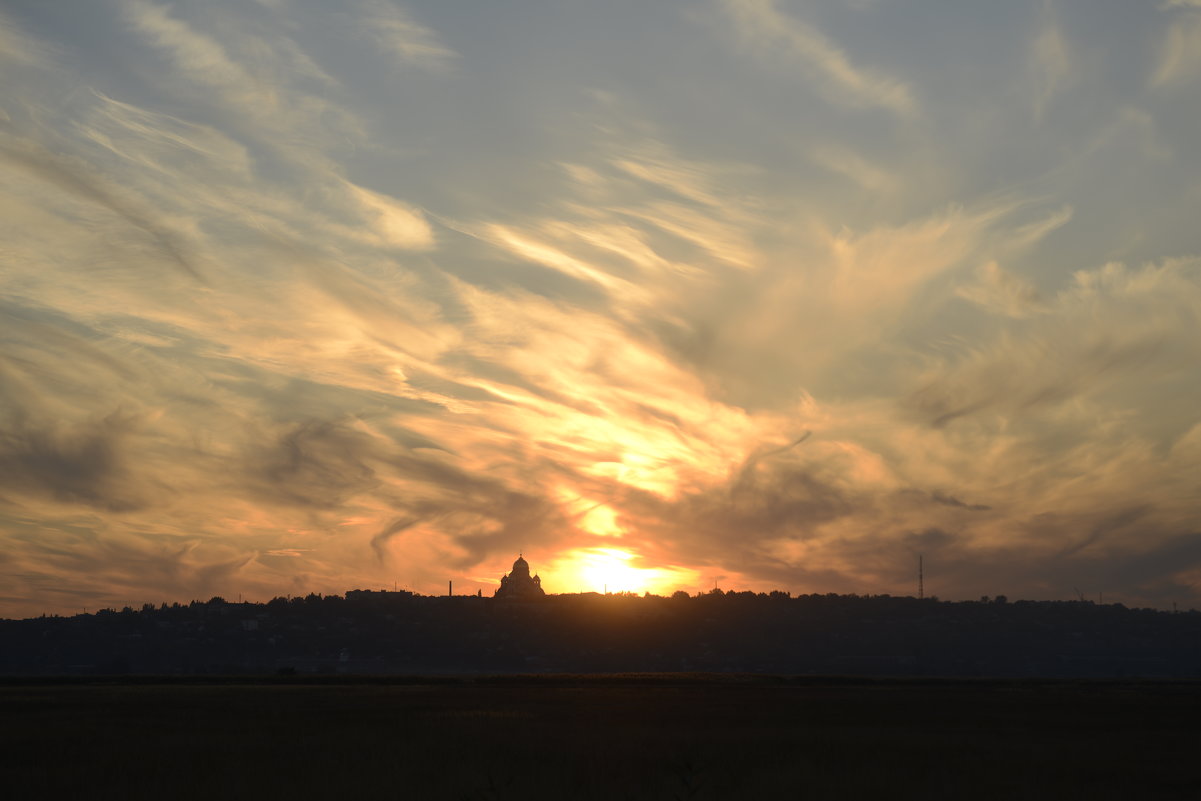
921 586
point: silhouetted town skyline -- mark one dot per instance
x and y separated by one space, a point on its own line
400 632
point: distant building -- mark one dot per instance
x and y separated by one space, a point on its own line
518 584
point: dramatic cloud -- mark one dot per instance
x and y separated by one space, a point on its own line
296 298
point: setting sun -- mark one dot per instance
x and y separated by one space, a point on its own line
611 570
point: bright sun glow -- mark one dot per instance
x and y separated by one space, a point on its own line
610 570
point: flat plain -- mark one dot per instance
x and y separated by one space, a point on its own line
598 737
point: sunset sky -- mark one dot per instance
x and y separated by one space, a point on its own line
302 296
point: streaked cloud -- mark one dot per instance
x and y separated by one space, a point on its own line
1180 51
21 49
1003 292
201 57
1107 327
1051 65
395 224
395 32
763 28
844 161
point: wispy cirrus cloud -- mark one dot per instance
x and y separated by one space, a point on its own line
1002 292
1052 68
869 176
763 28
258 82
200 56
1178 59
1100 331
19 48
396 33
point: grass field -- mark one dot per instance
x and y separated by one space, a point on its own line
658 737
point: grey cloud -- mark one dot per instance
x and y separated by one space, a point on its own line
324 466
1052 376
930 539
764 499
313 464
1095 340
951 500
36 337
92 565
87 463
1158 575
480 514
379 542
1132 553
1117 522
1152 574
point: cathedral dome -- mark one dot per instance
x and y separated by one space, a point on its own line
519 584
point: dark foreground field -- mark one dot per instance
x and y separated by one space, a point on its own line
659 737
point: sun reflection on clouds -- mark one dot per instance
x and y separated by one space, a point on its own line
395 224
602 521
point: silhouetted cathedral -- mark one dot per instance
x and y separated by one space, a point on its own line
519 585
